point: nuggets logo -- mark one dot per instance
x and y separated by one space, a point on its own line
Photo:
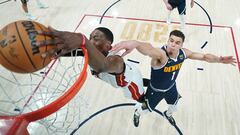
181 57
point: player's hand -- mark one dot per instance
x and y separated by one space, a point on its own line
228 60
169 7
128 46
65 41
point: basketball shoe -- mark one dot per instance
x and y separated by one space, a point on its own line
31 17
169 118
41 5
136 118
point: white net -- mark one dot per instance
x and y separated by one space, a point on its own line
22 93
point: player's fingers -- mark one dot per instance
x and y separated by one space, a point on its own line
61 53
49 42
125 53
49 53
44 55
233 64
234 60
55 32
116 48
46 33
51 32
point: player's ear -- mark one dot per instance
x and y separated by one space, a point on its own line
109 44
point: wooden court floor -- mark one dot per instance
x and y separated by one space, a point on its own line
210 92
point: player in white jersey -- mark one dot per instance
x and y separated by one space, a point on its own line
130 81
108 67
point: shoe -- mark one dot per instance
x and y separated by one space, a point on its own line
41 5
31 17
136 118
169 118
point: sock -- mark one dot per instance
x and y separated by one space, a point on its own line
168 17
182 20
171 109
140 109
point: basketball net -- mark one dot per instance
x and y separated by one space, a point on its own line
47 99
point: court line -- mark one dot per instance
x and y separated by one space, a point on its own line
5 1
235 48
134 61
79 22
191 24
107 10
152 20
115 106
209 18
204 45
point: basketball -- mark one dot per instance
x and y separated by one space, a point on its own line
18 50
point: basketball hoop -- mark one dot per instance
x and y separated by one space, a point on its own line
41 97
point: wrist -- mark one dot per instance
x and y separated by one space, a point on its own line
83 43
220 59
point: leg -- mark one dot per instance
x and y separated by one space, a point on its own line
174 4
25 8
138 112
152 99
145 82
182 20
182 12
171 98
168 16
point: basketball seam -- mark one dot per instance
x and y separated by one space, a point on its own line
46 47
29 58
12 63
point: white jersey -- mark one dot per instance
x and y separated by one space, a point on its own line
130 80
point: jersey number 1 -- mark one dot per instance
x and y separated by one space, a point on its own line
173 75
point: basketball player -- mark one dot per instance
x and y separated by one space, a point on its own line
181 6
25 8
165 65
108 67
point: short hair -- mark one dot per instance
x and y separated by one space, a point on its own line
178 34
108 33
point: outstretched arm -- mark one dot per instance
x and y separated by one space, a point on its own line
142 47
68 41
210 57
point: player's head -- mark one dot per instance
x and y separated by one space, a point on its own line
176 39
102 38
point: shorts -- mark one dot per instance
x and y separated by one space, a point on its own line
180 5
153 97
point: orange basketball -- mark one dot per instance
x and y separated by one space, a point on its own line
18 50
